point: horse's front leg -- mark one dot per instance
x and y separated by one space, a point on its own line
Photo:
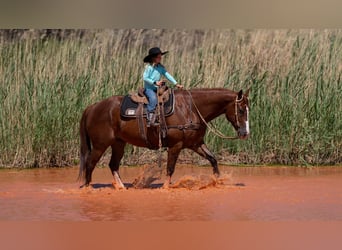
203 151
172 156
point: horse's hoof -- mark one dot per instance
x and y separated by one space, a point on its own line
217 175
84 185
166 185
118 186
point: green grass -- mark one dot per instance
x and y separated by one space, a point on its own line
294 75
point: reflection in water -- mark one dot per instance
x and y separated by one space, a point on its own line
247 194
142 205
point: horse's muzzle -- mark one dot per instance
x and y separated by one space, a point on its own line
243 132
243 135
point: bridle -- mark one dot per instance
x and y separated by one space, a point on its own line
237 101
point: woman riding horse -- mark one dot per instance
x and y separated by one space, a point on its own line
102 126
154 70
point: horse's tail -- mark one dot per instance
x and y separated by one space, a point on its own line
85 146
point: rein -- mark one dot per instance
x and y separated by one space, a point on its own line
211 127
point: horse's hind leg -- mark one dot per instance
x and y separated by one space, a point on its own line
203 151
114 164
92 160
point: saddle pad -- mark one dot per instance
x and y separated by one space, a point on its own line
128 108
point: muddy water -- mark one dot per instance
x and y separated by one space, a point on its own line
246 194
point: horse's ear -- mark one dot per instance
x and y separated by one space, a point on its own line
247 92
240 94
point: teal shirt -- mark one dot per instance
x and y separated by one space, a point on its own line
153 74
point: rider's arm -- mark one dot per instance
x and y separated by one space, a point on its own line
168 76
147 76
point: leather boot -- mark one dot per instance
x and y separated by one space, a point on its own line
151 119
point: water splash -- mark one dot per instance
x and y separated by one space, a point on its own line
202 182
149 174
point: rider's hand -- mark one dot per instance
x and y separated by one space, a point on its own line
160 83
179 86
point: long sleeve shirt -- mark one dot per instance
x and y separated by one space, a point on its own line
153 73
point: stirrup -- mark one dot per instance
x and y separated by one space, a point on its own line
155 123
151 119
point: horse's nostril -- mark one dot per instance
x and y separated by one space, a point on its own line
243 134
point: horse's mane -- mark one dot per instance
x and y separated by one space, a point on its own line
205 89
211 89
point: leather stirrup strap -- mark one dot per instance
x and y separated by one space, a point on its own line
141 125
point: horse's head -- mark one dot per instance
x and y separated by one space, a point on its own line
237 114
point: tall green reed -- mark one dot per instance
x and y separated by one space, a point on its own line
294 76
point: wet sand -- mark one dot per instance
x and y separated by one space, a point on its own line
248 194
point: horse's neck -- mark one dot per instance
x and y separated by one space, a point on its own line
212 103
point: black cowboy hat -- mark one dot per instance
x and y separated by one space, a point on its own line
153 52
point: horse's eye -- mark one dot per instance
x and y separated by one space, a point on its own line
241 111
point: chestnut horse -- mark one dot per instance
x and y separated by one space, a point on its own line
102 126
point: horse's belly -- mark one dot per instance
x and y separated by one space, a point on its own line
143 137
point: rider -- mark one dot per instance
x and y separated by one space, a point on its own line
154 70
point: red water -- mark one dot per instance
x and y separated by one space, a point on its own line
247 194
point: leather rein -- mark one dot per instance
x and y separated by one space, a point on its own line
211 127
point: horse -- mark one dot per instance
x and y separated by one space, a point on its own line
102 126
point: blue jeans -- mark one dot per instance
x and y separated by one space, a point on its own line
152 99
